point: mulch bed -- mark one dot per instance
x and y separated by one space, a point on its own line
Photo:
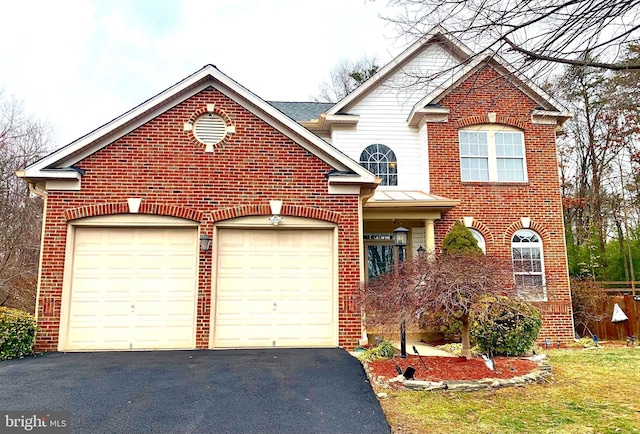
452 368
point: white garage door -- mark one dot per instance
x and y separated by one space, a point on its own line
133 288
275 288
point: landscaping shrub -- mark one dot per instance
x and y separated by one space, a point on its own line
385 350
505 326
583 343
460 240
451 330
17 333
456 349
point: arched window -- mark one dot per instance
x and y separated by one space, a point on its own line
528 265
381 161
480 239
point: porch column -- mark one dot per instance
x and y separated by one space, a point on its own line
429 236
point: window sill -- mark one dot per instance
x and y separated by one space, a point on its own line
496 183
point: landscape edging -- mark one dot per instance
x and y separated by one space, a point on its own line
543 371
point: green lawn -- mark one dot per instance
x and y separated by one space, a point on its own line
591 391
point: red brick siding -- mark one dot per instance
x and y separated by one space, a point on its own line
162 164
497 207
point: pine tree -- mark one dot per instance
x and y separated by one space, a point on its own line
460 241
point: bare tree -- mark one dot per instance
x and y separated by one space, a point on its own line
574 32
598 164
441 289
22 141
345 77
594 146
590 303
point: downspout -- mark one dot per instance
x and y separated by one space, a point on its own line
365 195
43 194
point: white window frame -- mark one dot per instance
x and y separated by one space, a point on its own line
492 158
380 154
537 244
480 239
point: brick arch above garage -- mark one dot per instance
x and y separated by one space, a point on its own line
111 208
287 210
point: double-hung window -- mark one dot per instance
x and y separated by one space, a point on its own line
492 154
528 265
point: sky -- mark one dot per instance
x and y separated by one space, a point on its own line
77 64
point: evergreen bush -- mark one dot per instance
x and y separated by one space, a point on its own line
503 326
17 333
459 240
384 351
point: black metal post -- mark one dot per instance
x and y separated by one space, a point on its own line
403 330
403 341
400 240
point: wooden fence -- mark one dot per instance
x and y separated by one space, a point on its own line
627 295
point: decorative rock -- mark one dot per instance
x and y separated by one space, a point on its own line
382 395
425 385
398 379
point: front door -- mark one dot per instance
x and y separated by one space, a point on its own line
380 259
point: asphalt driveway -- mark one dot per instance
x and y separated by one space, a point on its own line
230 391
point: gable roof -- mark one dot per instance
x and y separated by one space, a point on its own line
302 111
436 35
469 62
59 165
546 102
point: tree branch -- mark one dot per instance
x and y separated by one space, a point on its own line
574 62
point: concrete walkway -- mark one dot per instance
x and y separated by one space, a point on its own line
424 349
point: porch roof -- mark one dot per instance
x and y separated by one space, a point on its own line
409 199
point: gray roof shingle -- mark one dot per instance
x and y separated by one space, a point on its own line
302 111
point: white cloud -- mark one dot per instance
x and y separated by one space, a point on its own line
79 64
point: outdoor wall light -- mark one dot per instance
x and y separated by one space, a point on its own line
276 208
420 250
400 235
205 243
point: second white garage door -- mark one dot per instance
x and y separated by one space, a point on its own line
275 288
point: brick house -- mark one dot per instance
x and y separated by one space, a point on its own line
209 218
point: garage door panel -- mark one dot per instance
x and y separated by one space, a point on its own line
234 336
96 338
133 288
307 306
88 262
260 241
180 263
266 282
319 261
308 336
289 261
237 308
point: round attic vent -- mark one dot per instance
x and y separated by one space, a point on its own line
210 129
